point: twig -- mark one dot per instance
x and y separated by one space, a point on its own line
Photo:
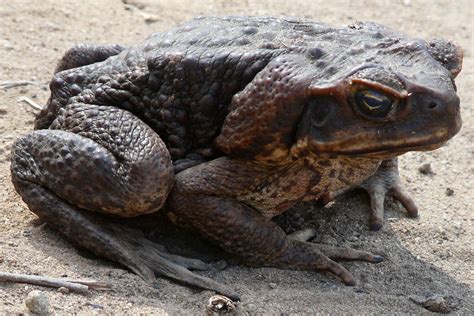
30 102
93 284
11 84
81 286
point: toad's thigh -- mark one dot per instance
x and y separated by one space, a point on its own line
97 158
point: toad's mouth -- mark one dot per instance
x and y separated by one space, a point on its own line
364 145
391 151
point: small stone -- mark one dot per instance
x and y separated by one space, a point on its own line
272 285
63 290
50 26
95 305
219 304
434 303
6 45
136 3
150 18
251 307
449 192
426 169
38 302
353 238
367 287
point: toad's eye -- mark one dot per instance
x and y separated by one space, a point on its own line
372 103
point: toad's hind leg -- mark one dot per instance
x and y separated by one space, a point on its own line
102 160
240 230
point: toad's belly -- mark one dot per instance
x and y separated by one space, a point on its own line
305 180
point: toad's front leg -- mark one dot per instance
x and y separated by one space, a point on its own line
207 198
385 181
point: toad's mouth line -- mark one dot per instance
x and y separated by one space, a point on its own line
371 147
388 149
396 151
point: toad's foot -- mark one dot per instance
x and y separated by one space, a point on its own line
117 242
240 230
386 180
331 252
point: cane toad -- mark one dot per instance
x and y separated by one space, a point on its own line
226 122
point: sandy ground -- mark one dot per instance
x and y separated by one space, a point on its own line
429 256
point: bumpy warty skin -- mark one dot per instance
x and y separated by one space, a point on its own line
129 173
177 85
181 83
227 122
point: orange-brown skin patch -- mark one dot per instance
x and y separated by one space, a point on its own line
274 101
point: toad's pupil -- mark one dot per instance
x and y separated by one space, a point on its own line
373 103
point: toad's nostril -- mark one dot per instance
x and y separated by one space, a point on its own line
432 104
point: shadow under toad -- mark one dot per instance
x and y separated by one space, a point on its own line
390 286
